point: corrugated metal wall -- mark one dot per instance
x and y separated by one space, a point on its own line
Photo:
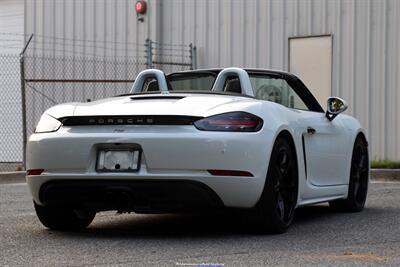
254 33
86 27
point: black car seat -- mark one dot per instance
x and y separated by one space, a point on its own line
232 85
152 86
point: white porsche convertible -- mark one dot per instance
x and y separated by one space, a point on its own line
251 139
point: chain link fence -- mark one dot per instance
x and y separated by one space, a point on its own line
10 110
31 83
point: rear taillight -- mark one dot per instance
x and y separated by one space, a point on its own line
232 121
34 172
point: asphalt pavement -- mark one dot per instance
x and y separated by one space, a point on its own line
318 236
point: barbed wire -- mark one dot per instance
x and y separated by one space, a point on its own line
90 46
12 33
68 39
100 59
172 49
84 40
11 40
90 40
73 53
173 45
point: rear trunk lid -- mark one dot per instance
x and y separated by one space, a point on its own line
171 104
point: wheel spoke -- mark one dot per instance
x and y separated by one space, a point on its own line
356 188
363 166
283 162
280 206
278 177
288 185
354 166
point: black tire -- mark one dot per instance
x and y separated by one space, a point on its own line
358 183
64 219
275 210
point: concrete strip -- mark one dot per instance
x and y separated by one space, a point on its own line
392 175
12 177
10 166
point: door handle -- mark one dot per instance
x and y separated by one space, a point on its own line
310 130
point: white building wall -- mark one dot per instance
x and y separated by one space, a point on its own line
250 33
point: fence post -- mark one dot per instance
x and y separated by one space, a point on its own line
23 100
23 109
149 53
193 58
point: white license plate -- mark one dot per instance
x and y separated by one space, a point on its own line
118 160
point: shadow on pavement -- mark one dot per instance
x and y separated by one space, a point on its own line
222 224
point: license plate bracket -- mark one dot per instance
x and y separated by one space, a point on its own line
118 160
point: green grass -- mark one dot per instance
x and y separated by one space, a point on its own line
385 164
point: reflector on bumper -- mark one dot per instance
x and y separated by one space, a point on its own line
229 173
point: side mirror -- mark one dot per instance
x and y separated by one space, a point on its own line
336 106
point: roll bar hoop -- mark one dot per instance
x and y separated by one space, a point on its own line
243 78
150 73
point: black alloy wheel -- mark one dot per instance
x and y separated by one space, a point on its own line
275 210
358 183
284 188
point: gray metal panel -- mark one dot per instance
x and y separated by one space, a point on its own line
85 27
252 33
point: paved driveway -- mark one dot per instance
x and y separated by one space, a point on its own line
318 236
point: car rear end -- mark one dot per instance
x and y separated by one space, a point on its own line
149 163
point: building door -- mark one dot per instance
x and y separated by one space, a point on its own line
310 58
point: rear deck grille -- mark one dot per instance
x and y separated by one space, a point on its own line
129 120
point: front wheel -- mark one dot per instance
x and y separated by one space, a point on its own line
64 219
275 209
358 183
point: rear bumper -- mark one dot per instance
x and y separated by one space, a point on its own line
140 196
169 153
234 192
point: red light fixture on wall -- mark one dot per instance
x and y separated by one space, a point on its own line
141 7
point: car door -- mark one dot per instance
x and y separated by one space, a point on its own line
324 148
323 141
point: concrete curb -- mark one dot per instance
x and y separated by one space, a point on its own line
12 177
392 175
